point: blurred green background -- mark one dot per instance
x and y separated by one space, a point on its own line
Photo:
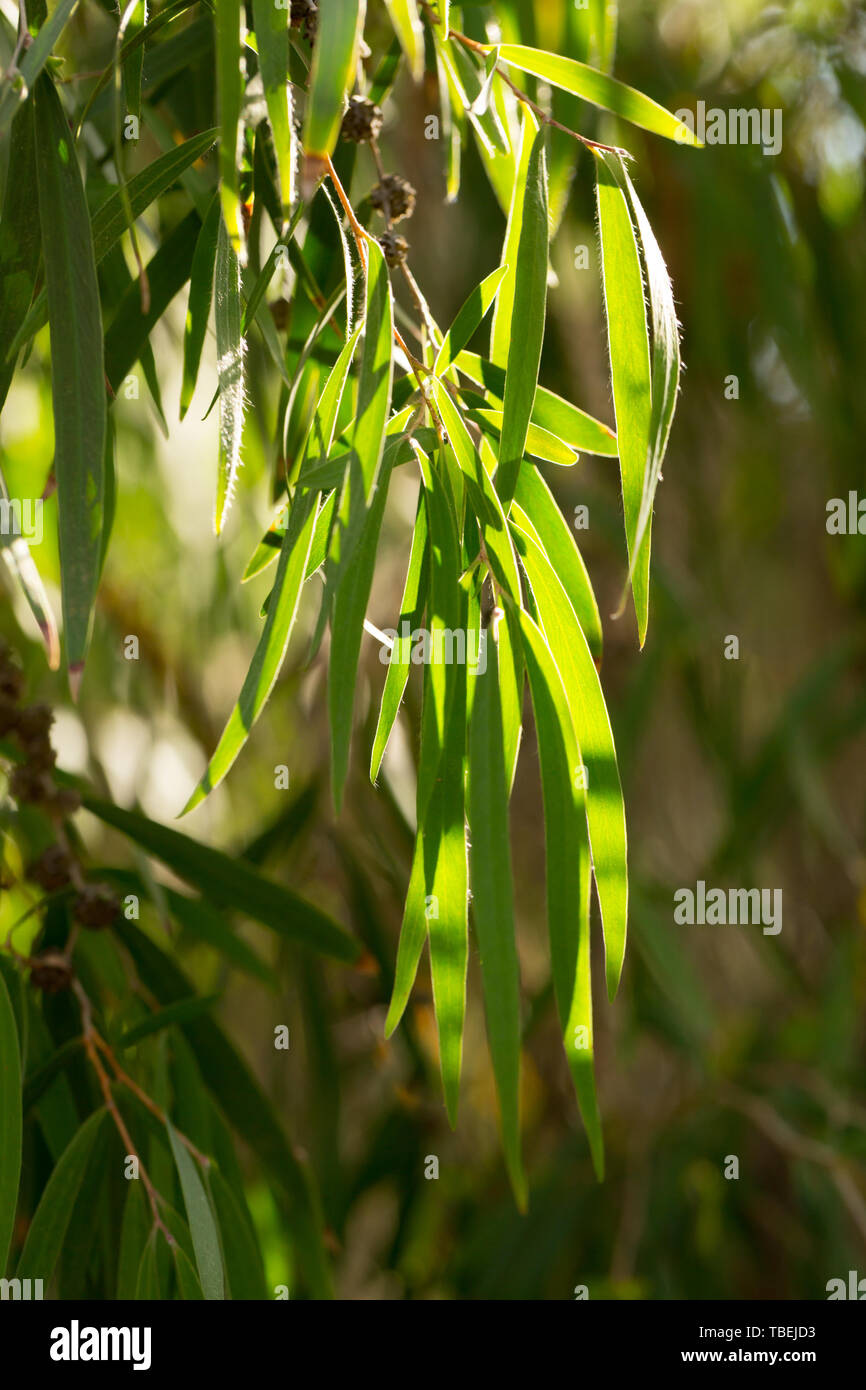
749 772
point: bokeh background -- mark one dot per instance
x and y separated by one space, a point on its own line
749 772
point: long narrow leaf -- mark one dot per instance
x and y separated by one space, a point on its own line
230 370
110 219
201 283
341 23
201 1222
556 538
411 611
597 88
273 48
77 371
360 510
567 870
54 1212
19 240
231 883
10 1121
526 327
630 370
15 88
500 331
229 17
604 802
245 1106
285 595
493 905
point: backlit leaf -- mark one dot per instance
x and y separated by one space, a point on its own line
77 371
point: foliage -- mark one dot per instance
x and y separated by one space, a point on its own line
369 428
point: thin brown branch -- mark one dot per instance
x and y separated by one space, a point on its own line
533 106
145 1099
89 1037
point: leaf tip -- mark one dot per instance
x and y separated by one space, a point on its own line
76 675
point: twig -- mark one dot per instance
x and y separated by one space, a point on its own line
145 1099
361 236
89 1039
533 106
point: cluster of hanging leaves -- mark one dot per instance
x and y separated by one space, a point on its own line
297 90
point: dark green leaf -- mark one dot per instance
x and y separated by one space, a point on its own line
77 372
231 882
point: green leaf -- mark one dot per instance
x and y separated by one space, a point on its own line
165 1018
15 88
272 38
500 330
526 324
341 24
604 804
471 314
39 1078
549 412
482 101
20 242
147 1279
134 1231
410 31
77 371
539 443
53 1214
446 877
630 370
230 370
110 219
665 353
167 272
493 905
598 89
411 612
359 515
282 609
473 90
204 923
567 870
202 1227
189 1286
10 1121
132 63
230 28
347 625
441 812
535 510
243 1260
231 883
201 283
243 1103
500 555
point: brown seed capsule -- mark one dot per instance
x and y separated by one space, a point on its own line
305 16
9 713
51 869
394 196
396 248
63 802
11 679
30 785
34 722
51 972
362 120
280 313
95 907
